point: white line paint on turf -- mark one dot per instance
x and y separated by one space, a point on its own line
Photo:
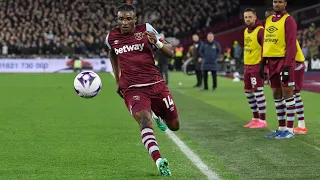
310 145
317 148
192 156
112 74
179 91
189 153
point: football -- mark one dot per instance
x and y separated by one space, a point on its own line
87 84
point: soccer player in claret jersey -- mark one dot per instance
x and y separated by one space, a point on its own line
279 49
299 76
138 80
253 83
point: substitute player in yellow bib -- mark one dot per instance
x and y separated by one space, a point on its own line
299 76
279 49
253 83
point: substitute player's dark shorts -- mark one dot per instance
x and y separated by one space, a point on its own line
266 70
155 97
252 81
251 78
275 68
299 75
266 73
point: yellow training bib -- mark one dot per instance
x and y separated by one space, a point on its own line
299 56
274 37
252 48
275 40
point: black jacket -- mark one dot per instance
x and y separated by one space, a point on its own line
195 54
162 59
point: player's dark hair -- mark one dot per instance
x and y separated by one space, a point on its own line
127 7
250 10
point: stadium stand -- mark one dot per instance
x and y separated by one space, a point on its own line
55 27
309 39
46 27
181 18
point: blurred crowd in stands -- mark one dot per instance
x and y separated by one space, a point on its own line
177 18
67 27
80 26
309 39
55 27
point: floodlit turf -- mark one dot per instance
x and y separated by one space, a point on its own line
48 132
216 122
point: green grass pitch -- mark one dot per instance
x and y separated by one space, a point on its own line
48 132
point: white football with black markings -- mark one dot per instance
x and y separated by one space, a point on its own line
87 84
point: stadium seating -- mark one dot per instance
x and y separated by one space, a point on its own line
46 27
309 39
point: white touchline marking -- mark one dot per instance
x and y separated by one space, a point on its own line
194 158
112 74
311 145
179 91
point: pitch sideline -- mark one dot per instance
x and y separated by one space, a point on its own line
193 157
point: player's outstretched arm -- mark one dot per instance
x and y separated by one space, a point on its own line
116 70
115 64
114 60
167 48
163 45
155 39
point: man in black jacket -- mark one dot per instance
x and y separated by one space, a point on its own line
209 53
195 59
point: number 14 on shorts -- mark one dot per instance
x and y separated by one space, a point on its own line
168 101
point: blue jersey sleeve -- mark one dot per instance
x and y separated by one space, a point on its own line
150 28
107 42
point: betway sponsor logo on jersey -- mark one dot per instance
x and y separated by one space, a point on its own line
247 50
128 48
271 38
